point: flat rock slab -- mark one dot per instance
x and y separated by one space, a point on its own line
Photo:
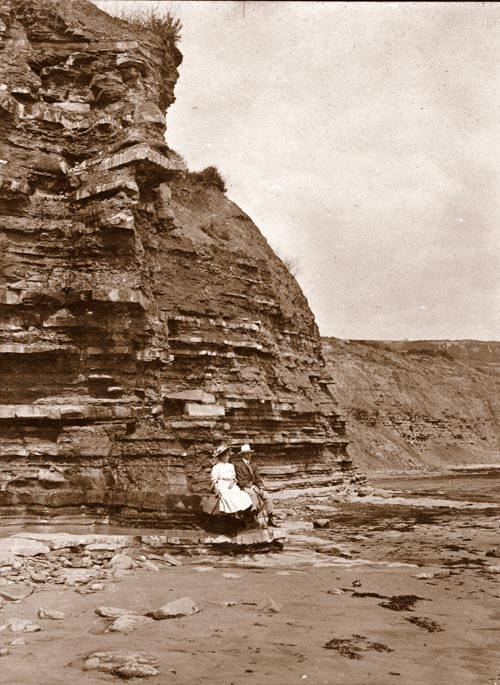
123 664
184 606
106 546
20 625
15 593
128 623
62 540
21 547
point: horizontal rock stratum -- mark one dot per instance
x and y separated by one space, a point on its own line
143 316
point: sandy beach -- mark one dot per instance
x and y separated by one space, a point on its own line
390 592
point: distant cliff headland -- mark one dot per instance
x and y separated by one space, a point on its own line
418 404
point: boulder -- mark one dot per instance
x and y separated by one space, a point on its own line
121 561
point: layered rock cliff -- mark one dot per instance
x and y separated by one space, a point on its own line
418 405
143 317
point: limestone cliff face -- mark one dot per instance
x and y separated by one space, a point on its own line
418 405
142 314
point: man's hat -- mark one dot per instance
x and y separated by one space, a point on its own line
246 449
221 449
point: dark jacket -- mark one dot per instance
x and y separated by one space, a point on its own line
247 475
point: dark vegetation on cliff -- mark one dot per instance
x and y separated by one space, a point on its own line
166 26
417 404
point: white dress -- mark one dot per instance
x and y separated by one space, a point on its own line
231 497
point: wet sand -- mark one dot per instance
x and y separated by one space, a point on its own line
331 584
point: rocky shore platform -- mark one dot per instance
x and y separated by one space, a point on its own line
376 589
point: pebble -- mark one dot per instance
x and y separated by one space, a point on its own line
112 612
321 523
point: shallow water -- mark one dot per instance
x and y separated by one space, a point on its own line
470 487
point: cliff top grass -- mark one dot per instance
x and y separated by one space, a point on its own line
164 25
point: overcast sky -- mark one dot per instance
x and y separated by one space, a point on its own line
362 139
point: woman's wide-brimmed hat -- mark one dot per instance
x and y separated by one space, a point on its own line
246 449
221 449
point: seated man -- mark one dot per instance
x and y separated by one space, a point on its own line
249 480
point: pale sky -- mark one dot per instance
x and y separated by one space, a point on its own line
362 139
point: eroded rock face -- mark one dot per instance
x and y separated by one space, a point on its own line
418 405
143 316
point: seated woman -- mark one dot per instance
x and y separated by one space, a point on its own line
231 499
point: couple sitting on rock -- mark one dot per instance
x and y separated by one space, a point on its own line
238 485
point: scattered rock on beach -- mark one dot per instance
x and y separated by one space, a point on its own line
75 576
50 613
173 561
123 664
39 576
20 625
184 606
151 566
128 623
122 562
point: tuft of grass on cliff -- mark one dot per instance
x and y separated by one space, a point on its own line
165 25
